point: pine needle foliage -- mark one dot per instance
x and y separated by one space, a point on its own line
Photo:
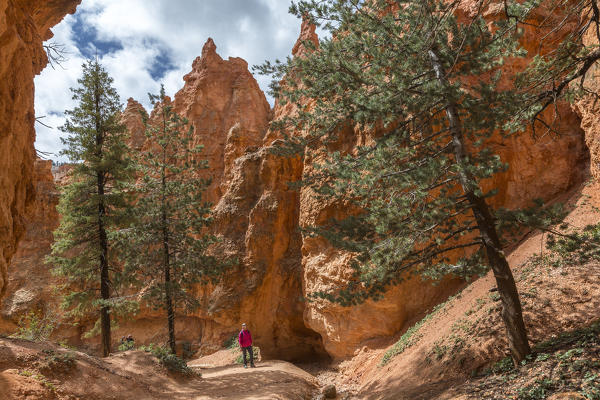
94 205
430 89
167 245
571 30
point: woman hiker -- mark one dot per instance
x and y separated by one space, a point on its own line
245 339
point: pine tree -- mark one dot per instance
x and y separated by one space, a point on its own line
168 243
94 204
429 86
572 32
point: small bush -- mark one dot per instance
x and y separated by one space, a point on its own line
232 342
169 360
57 361
34 327
537 391
127 345
504 365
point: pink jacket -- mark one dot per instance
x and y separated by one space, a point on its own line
245 338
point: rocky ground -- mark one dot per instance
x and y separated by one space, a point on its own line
464 337
456 351
44 371
565 367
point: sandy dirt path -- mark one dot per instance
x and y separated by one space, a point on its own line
269 380
137 375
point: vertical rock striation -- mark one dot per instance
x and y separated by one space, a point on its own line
30 284
24 25
258 215
229 112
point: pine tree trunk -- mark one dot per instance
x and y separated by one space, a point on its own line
512 314
104 278
166 260
169 307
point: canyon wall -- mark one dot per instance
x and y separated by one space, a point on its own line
258 217
30 283
541 167
24 25
256 213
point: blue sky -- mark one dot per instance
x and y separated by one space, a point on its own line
143 43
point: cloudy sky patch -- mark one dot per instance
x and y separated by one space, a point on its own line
143 43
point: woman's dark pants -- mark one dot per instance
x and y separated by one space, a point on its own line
249 350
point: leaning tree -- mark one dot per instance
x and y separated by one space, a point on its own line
428 85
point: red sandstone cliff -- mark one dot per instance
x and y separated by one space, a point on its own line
24 25
30 283
258 217
542 168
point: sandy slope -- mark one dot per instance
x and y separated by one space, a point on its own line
467 334
24 374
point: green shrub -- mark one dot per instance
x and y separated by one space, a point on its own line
537 391
504 365
127 345
169 360
232 343
57 361
34 327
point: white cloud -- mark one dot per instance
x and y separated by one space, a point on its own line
143 30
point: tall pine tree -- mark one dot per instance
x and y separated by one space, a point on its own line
428 87
168 242
95 203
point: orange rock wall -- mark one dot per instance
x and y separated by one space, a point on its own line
543 167
229 112
24 25
30 283
258 216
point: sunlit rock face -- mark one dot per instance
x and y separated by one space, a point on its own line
541 167
256 212
30 283
227 109
258 217
24 25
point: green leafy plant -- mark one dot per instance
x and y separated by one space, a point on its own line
55 361
169 360
536 391
127 345
35 327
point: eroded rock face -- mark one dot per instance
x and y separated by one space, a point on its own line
541 167
258 216
256 213
30 282
24 25
229 112
258 221
132 118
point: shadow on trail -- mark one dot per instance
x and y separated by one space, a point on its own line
266 381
